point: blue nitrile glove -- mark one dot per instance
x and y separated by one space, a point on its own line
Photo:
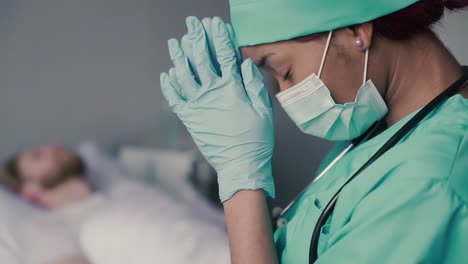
229 114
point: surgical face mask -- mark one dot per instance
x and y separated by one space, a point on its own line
310 105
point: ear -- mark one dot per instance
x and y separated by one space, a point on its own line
363 32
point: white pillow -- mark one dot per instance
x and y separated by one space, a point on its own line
102 171
13 212
144 225
169 169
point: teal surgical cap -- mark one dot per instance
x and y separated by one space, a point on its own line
266 21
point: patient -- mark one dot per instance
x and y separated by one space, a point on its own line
55 179
50 176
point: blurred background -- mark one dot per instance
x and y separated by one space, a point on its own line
89 69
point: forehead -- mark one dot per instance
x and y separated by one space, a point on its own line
24 158
22 164
256 52
26 154
282 49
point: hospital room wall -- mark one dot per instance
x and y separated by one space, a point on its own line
71 70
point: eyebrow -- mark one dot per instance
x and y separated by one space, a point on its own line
264 60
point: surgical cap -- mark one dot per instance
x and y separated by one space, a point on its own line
266 21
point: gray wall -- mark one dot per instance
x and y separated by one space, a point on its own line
74 69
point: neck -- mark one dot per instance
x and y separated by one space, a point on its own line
422 69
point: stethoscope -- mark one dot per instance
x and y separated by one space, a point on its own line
410 125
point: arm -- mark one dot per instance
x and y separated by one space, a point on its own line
249 228
230 117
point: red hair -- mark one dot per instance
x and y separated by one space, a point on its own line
415 18
408 21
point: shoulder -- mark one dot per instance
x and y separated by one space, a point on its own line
438 148
458 177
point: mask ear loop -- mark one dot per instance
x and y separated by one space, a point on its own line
325 53
365 67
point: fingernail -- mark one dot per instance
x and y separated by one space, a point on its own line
191 24
248 69
217 20
249 64
162 77
173 43
206 20
221 28
171 71
255 69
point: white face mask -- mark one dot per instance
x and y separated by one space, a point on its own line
310 105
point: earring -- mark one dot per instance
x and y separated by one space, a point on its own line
359 43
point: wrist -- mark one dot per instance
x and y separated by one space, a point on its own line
249 177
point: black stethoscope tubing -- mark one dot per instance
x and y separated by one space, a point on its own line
410 125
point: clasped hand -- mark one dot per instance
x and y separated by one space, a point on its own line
224 105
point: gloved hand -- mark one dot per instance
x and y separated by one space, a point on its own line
227 110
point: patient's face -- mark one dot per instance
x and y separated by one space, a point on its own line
43 168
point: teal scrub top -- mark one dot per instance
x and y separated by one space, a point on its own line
409 206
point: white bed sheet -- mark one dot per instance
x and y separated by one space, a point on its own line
135 223
144 225
13 211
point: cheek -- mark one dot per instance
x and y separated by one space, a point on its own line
343 75
32 172
283 85
305 66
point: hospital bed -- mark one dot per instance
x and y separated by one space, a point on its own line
110 236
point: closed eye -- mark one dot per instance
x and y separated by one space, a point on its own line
287 76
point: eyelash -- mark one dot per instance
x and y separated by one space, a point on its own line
287 76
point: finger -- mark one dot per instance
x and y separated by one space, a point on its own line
173 80
182 67
172 96
232 35
207 21
224 48
200 49
186 47
255 88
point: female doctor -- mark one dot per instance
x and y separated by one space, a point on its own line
369 74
